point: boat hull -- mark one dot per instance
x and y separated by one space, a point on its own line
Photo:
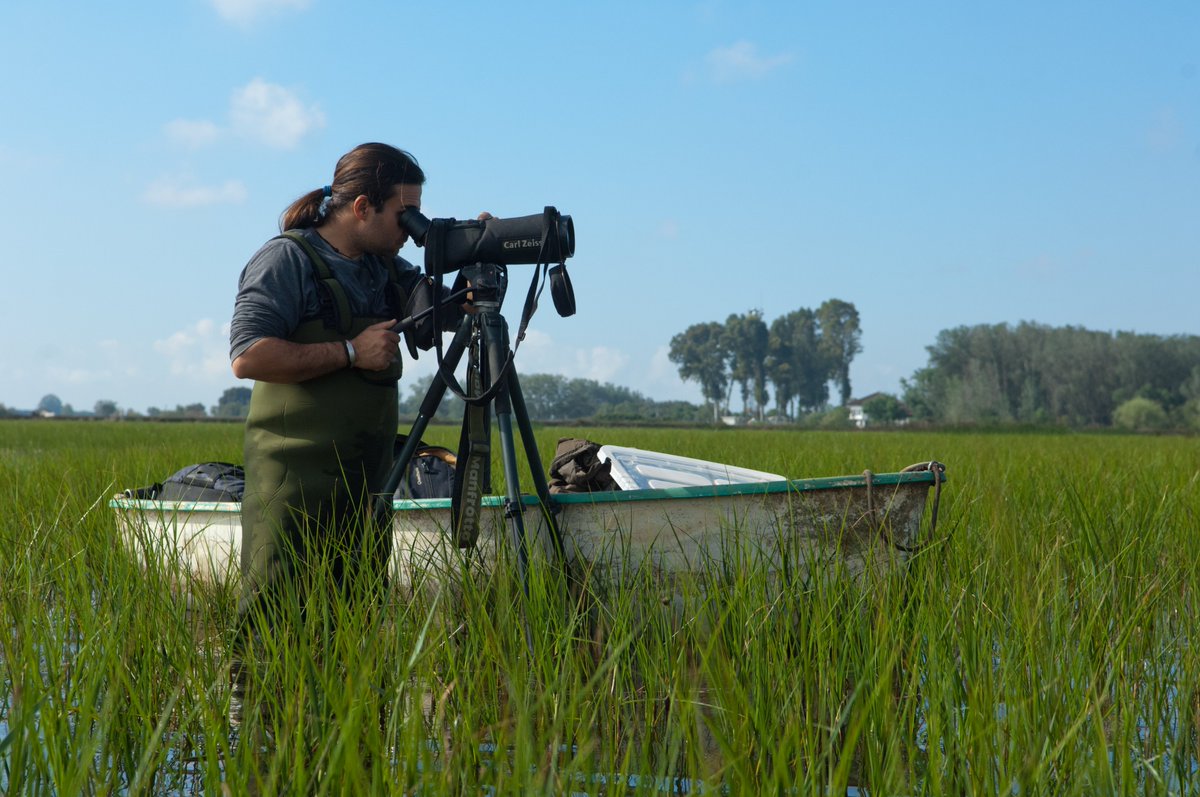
861 523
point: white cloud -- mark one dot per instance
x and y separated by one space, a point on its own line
192 133
199 351
175 192
540 354
600 363
661 365
74 376
244 13
536 343
272 115
260 111
742 61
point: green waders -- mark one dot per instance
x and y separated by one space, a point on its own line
315 454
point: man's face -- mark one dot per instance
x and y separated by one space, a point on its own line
383 234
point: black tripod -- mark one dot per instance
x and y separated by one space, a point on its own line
490 363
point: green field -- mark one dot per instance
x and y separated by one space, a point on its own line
1045 644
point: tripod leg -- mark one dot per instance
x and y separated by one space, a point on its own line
429 407
494 331
495 340
550 511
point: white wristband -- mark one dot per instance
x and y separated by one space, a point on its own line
351 355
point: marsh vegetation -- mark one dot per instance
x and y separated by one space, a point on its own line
1045 643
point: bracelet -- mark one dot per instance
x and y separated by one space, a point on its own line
351 355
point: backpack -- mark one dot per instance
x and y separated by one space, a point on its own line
430 473
577 468
207 481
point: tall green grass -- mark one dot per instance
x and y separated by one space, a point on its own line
1045 644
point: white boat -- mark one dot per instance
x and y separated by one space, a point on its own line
682 516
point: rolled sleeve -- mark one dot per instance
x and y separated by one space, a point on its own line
270 299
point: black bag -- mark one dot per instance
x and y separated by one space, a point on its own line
430 473
207 481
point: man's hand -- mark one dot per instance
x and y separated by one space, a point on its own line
377 346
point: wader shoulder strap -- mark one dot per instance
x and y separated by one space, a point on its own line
340 309
396 293
335 294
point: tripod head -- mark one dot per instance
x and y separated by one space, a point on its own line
489 283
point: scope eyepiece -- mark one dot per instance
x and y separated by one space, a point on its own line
415 224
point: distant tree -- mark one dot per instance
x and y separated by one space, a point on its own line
810 360
701 354
1188 415
781 366
1040 374
580 398
192 411
973 378
1140 415
450 407
648 410
1189 412
553 397
1190 389
884 408
234 403
544 394
840 341
835 418
106 408
51 403
747 341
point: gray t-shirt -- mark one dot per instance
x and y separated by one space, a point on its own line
278 291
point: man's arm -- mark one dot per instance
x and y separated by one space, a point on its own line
285 362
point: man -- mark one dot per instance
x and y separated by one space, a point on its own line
312 325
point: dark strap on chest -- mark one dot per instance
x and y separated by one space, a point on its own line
328 288
335 306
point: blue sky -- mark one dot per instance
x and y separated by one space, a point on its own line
936 164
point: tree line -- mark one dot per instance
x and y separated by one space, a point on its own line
556 398
798 355
234 403
1037 374
985 374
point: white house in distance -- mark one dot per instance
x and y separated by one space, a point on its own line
857 416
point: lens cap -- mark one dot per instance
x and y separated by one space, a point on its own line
561 291
420 335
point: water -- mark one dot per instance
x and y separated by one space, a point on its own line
186 769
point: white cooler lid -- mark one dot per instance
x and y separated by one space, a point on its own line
636 469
